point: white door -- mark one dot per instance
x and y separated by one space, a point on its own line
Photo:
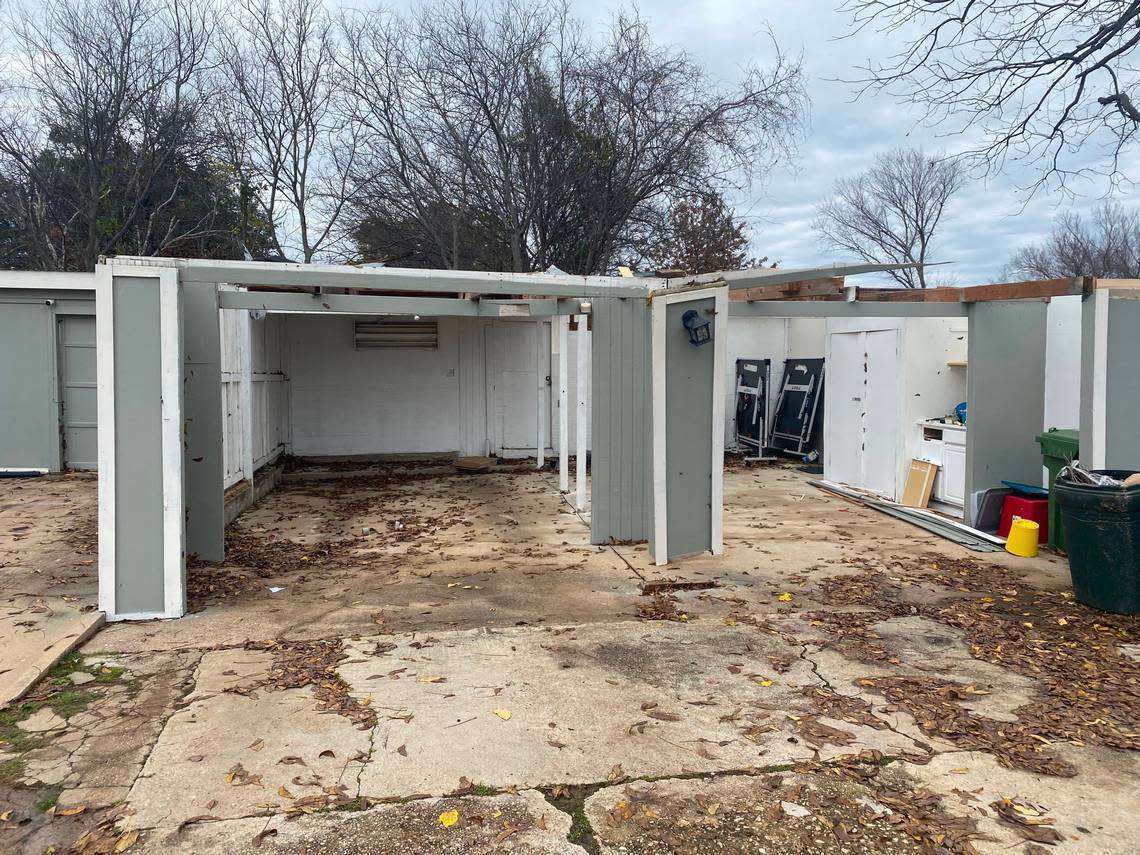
843 448
882 413
518 377
77 387
863 410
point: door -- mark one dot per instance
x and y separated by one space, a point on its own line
518 366
863 408
29 410
79 413
881 414
954 474
843 448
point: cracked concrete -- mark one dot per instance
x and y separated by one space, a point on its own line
496 601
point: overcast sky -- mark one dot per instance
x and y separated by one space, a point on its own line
986 222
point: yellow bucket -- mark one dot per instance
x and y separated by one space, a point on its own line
1022 538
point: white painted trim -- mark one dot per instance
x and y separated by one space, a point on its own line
1097 449
105 395
660 460
582 390
245 348
39 469
720 355
658 312
563 405
173 528
542 403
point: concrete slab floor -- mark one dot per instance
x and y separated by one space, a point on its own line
483 646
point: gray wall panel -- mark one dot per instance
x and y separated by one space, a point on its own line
620 475
202 408
1122 392
688 408
1006 395
29 412
138 447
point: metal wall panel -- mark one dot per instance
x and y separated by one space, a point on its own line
204 464
139 587
79 410
29 414
1006 395
1122 387
620 501
688 403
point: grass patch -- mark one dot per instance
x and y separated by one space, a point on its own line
57 692
571 800
48 801
11 772
483 790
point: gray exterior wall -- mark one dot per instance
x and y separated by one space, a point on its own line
30 434
1122 393
1005 389
621 480
139 587
202 405
688 403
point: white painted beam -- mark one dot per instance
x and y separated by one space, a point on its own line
582 389
563 405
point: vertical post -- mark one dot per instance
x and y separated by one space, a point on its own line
141 468
660 542
541 359
582 387
246 350
720 356
563 404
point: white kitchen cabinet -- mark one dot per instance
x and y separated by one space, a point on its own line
945 445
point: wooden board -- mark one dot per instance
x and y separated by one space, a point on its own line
919 484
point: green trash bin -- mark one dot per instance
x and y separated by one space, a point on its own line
1102 528
1058 449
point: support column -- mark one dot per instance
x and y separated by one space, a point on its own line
563 404
246 348
1005 394
542 357
1110 382
202 378
582 390
140 397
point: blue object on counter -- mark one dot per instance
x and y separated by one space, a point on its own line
960 412
1027 489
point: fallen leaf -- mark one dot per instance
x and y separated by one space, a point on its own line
284 793
126 840
432 678
448 818
72 811
504 714
402 750
616 774
328 752
257 744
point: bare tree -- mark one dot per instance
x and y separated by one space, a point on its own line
1047 82
509 128
890 213
100 99
286 133
1107 245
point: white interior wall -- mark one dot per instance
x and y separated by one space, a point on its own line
775 339
1063 364
344 401
927 387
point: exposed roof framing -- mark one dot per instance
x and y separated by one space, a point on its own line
367 304
1034 289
